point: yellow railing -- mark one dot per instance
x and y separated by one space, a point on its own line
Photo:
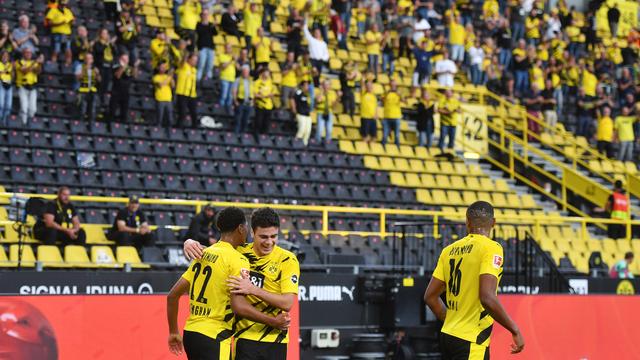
534 222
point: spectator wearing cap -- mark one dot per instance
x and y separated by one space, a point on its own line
60 222
301 109
163 84
130 227
202 227
243 94
27 71
227 66
59 19
205 31
25 35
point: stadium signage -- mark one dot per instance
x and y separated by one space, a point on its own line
144 288
326 293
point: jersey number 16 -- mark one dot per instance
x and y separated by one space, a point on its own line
455 276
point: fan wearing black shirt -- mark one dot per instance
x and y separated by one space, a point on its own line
202 227
294 33
301 108
130 227
123 75
230 21
503 40
205 31
60 222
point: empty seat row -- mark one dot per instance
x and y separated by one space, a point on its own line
75 256
465 198
459 182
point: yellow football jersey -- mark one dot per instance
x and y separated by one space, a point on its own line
277 273
460 266
210 302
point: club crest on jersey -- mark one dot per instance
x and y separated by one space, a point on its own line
497 261
244 273
272 269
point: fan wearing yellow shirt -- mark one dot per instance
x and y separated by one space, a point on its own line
60 19
392 113
212 306
163 84
289 78
186 92
263 47
448 108
159 48
27 70
368 112
373 42
468 273
6 87
604 132
189 13
264 91
624 134
325 103
227 66
252 21
532 27
457 36
589 80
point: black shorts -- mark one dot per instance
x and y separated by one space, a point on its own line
368 127
257 350
201 347
454 348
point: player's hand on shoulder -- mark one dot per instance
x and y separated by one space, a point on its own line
518 343
175 344
239 285
192 249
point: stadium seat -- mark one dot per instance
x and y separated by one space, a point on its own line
4 261
76 256
129 255
102 256
95 234
28 259
49 256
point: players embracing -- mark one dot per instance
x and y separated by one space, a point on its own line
270 286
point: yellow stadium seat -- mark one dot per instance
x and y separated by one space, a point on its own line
635 245
276 27
563 245
631 167
49 256
362 147
347 146
413 180
335 64
428 181
455 198
501 185
609 245
102 256
514 200
624 245
607 167
424 196
579 245
431 166
469 197
499 200
28 258
416 165
568 232
461 168
447 168
4 261
457 182
442 181
475 169
484 196
407 151
129 255
337 133
392 150
486 184
76 256
528 201
375 148
386 163
3 214
439 197
594 245
402 164
594 165
397 178
95 234
371 162
422 153
473 183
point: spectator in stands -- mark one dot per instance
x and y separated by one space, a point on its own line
243 93
60 222
163 84
160 49
294 32
243 60
448 108
186 91
123 74
227 65
301 109
130 227
372 41
521 65
424 120
27 71
533 102
89 77
405 30
445 70
203 228
80 46
320 13
264 93
6 87
422 71
128 28
325 103
318 49
263 47
368 111
230 21
604 133
349 77
388 58
476 55
340 30
25 35
392 104
59 19
289 81
625 84
6 39
252 21
457 35
618 208
189 13
624 134
307 71
111 10
585 112
549 105
620 270
205 31
103 54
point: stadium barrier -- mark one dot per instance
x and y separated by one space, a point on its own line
381 215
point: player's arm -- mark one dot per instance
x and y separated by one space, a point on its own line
173 302
241 286
242 308
432 298
490 302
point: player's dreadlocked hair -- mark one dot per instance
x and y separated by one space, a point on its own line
229 219
264 218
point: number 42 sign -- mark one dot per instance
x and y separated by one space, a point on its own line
473 129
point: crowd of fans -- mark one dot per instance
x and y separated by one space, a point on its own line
549 59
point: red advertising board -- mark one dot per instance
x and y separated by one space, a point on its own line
94 327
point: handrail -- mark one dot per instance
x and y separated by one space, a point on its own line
536 221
